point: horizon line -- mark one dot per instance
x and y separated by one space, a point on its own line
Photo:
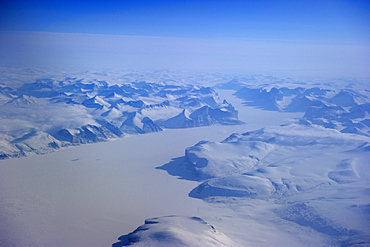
312 42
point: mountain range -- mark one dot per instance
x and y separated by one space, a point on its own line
73 111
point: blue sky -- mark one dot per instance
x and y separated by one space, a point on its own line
301 33
312 20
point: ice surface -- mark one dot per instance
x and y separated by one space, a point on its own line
92 194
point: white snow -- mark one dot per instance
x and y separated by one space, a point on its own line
271 182
235 186
172 231
160 113
214 159
92 194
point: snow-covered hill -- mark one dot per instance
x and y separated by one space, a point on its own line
298 173
175 231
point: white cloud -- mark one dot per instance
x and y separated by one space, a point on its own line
44 117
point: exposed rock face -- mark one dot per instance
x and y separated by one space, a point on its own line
149 126
204 116
283 99
85 134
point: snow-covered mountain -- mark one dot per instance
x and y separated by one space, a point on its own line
284 99
346 110
349 114
75 110
284 95
27 143
224 114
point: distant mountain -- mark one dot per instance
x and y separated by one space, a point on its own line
345 110
239 82
349 98
354 119
77 110
204 116
99 110
283 99
22 101
6 94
